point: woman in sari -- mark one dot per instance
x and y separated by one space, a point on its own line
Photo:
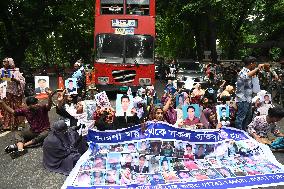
14 92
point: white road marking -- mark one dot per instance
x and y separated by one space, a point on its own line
5 133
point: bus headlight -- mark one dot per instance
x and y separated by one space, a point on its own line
144 81
103 80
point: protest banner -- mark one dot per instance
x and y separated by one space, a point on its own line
168 157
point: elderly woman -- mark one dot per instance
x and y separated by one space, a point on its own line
14 92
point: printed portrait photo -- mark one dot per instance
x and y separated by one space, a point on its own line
266 99
116 148
112 177
103 149
154 164
3 89
99 162
87 165
179 101
143 147
71 85
191 112
203 163
83 178
124 105
130 147
142 166
199 174
165 164
41 84
113 160
189 164
212 173
126 176
129 160
155 147
91 108
167 148
170 177
141 178
178 164
179 149
102 100
185 176
189 151
225 172
155 179
223 114
98 178
200 151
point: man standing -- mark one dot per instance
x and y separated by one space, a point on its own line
244 92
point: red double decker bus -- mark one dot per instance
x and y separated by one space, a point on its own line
124 43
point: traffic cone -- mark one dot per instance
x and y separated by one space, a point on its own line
88 80
93 77
60 83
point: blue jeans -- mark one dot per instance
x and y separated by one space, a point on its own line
244 115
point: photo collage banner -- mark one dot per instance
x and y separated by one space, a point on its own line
168 157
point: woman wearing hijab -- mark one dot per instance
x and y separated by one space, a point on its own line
60 149
14 92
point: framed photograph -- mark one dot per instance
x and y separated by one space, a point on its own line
41 84
124 105
3 89
71 85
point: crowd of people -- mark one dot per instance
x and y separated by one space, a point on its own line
243 106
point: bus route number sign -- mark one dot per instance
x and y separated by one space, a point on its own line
124 31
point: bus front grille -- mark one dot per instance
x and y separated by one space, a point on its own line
124 76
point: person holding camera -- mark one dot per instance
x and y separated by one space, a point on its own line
244 90
37 117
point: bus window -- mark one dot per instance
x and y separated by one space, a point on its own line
111 6
110 47
139 48
137 7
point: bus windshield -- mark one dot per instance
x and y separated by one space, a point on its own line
129 49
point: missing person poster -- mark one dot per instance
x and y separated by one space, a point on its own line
71 85
168 157
41 84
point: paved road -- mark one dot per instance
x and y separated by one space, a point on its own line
27 172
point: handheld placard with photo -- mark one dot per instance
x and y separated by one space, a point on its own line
3 89
41 84
91 108
102 100
223 114
71 85
124 105
195 109
266 99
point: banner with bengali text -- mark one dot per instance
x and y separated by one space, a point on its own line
167 157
